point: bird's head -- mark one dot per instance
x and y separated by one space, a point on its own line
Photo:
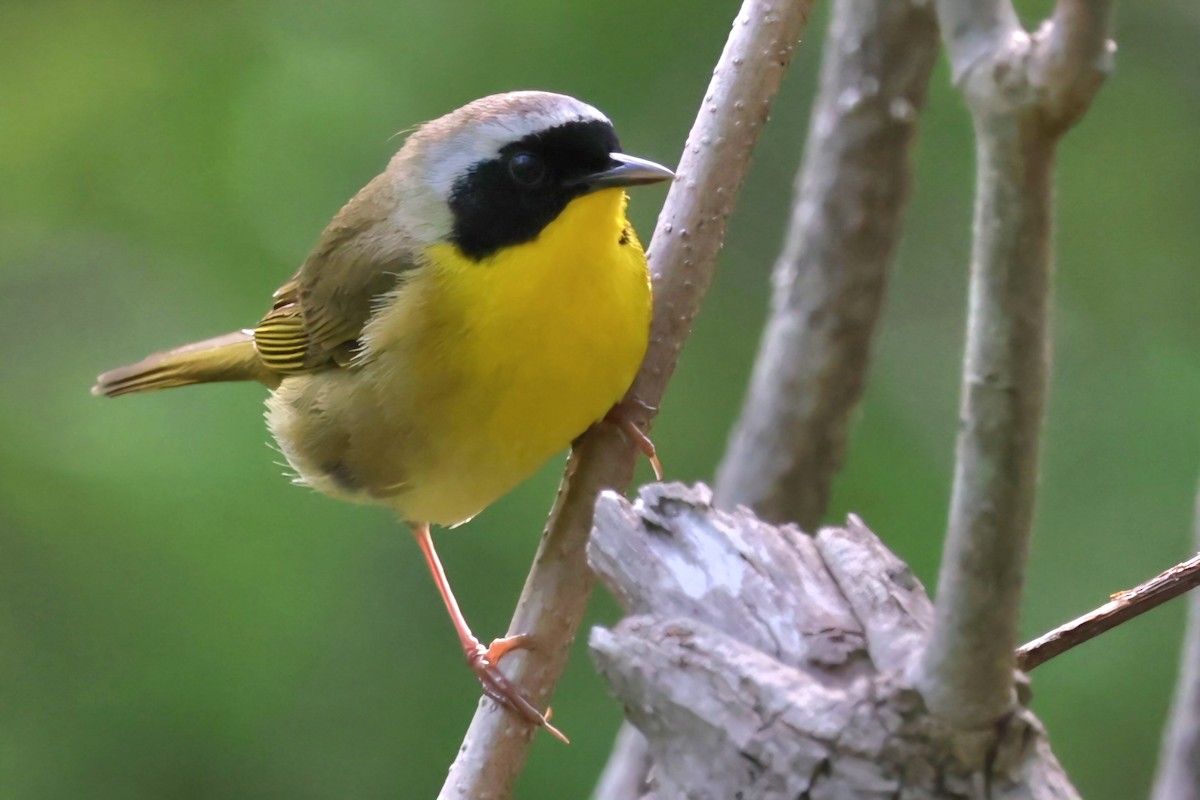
495 172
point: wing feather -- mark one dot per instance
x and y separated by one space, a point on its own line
318 315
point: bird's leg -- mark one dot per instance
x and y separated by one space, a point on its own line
483 660
630 415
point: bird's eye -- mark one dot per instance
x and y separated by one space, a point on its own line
526 169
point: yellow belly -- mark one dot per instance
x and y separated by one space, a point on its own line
485 370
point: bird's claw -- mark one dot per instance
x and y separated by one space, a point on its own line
625 415
484 663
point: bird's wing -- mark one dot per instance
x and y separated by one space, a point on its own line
318 315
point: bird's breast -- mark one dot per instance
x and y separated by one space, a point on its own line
504 361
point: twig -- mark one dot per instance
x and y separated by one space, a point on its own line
1179 763
829 280
1024 92
684 249
1123 607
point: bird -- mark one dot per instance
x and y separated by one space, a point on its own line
468 314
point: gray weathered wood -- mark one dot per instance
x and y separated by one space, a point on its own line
760 662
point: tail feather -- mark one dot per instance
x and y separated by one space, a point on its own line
231 357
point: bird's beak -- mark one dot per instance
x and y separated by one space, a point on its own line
625 171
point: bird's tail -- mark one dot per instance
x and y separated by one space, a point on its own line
231 357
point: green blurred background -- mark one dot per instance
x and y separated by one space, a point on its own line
177 621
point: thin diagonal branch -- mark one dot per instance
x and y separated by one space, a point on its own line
1123 607
829 280
684 249
1179 763
966 673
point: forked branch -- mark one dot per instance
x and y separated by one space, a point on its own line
1024 91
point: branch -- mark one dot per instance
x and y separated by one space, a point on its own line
1123 607
1179 763
684 249
1017 102
764 663
830 277
850 195
974 30
626 775
1073 58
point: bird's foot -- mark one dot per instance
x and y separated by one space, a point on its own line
631 415
484 662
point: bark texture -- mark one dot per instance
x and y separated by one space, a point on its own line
1024 91
760 662
847 213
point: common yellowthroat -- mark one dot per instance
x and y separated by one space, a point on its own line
463 318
